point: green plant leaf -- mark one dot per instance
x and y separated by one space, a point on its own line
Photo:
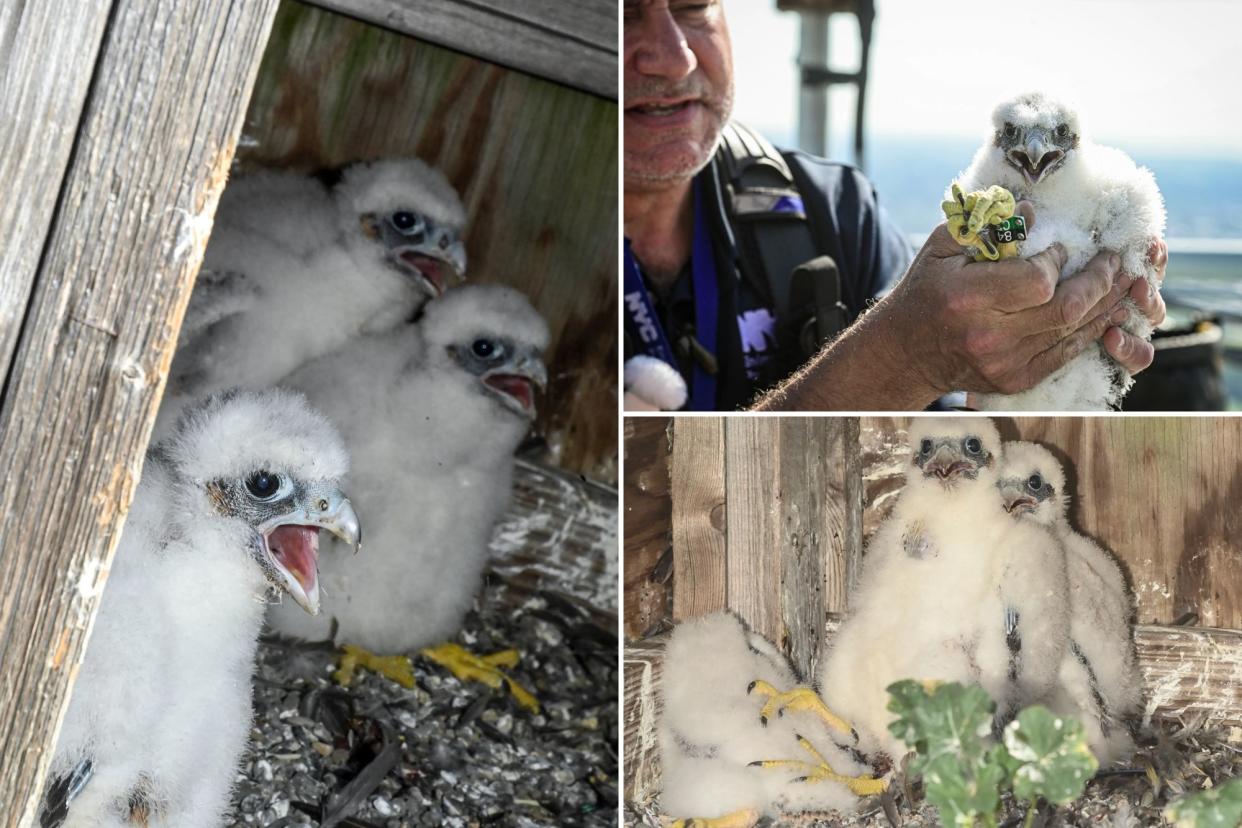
948 725
1048 756
1220 807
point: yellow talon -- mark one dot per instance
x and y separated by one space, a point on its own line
469 667
737 819
971 216
398 668
797 699
820 771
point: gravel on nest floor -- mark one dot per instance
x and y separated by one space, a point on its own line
1183 759
446 752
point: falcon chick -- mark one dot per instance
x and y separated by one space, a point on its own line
229 508
432 414
1087 197
930 602
711 734
1098 681
294 270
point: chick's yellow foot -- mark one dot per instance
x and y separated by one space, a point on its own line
469 667
397 667
972 217
820 771
797 699
737 819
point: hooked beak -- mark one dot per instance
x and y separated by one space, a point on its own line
945 466
433 270
1016 501
291 544
1035 159
515 385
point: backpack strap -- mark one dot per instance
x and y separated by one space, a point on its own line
776 249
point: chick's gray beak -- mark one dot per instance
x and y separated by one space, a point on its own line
339 518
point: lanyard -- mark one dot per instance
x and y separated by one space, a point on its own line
644 323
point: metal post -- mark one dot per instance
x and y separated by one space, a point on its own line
813 98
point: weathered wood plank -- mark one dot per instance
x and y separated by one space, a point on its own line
753 523
648 567
700 565
535 164
155 141
43 51
642 706
570 43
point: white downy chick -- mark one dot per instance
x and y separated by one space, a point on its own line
229 508
1087 197
295 270
432 414
928 572
1098 679
1024 620
710 731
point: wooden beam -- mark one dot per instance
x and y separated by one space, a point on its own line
648 566
152 150
699 514
571 43
46 50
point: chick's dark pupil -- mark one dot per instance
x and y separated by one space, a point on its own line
925 447
483 348
263 484
973 446
403 220
1036 482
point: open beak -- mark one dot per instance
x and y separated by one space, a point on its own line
945 465
291 544
515 385
1036 158
1016 501
433 269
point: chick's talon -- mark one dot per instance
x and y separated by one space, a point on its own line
398 667
467 666
820 771
797 699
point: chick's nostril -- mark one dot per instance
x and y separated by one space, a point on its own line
323 505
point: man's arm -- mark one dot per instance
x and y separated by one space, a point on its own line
953 324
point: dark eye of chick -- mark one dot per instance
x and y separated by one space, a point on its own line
1062 131
263 484
484 348
404 220
1035 483
925 447
1010 130
973 446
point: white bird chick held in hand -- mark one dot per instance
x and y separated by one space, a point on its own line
228 509
929 571
1088 198
295 270
432 414
1098 681
710 729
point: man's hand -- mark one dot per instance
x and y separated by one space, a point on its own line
998 327
1132 353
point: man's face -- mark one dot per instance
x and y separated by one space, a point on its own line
678 88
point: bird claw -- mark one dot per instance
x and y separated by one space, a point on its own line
398 667
819 770
800 698
469 667
971 217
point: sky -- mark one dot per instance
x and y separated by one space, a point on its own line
1146 75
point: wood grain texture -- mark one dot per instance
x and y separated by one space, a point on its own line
646 562
535 164
700 574
570 43
43 86
155 139
753 524
642 705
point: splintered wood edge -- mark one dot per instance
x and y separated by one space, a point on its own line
1189 674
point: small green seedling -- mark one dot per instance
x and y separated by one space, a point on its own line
1220 807
964 774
